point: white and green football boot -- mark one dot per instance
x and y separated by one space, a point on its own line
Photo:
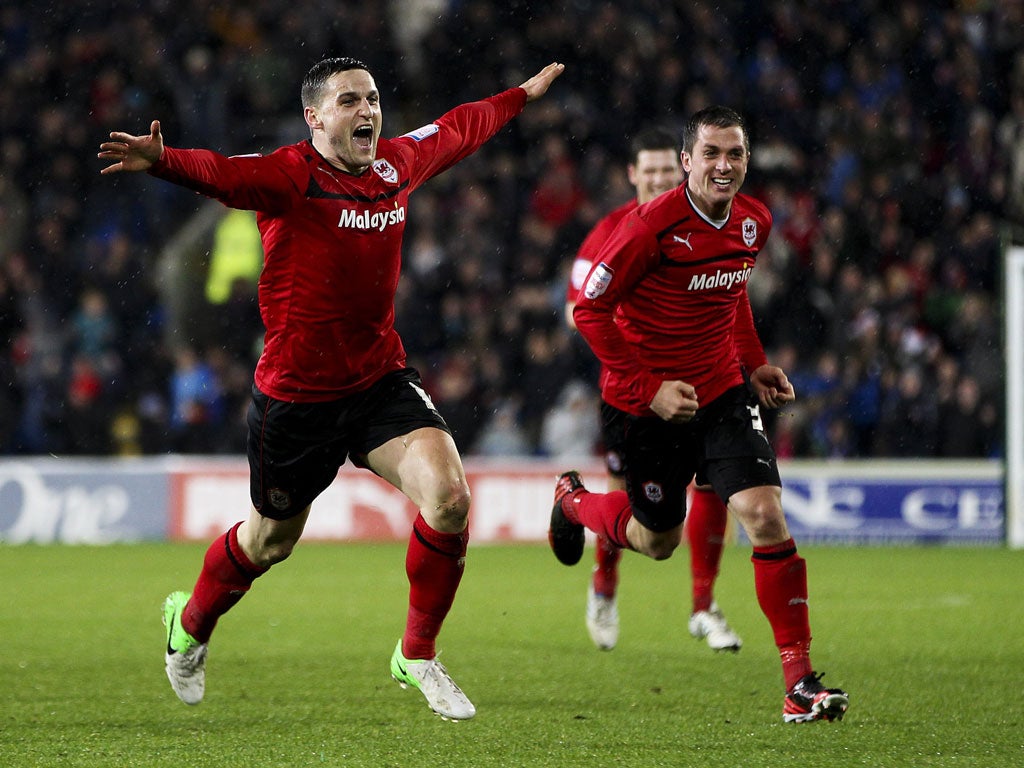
185 660
432 680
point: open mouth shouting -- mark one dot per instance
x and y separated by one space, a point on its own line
362 137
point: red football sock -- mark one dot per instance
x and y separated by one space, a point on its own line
705 532
434 563
226 576
606 514
780 580
606 567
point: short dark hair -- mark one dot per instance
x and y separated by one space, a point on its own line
718 117
319 73
650 139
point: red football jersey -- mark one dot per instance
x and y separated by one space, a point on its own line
591 246
667 300
332 244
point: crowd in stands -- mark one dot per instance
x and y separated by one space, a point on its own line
888 142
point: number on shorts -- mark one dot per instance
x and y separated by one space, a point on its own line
755 418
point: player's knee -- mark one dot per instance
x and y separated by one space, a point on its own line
452 510
659 547
763 520
662 550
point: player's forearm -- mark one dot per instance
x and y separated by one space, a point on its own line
477 121
233 181
195 169
599 330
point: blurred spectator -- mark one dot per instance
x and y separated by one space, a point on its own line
94 332
966 424
237 254
238 323
454 391
558 194
11 325
13 216
86 417
909 418
201 93
571 429
501 434
546 369
196 404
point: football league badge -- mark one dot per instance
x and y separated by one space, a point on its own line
598 281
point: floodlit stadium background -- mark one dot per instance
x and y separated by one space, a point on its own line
888 142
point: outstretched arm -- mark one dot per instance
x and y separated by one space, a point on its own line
248 182
538 85
132 153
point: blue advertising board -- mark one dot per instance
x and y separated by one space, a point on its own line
895 503
53 501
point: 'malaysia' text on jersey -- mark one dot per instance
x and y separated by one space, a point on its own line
706 282
366 220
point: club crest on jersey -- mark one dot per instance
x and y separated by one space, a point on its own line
386 171
749 232
598 281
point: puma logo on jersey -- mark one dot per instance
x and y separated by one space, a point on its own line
684 240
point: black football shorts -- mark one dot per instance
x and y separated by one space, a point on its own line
724 445
296 449
613 437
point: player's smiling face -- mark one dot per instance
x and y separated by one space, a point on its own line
716 167
346 124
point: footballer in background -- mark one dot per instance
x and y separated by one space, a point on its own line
654 167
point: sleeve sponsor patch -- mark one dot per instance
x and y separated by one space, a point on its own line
598 281
421 133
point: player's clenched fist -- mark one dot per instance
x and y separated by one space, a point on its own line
675 401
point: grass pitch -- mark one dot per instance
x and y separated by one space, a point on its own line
928 642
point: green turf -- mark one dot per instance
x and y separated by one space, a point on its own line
928 642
